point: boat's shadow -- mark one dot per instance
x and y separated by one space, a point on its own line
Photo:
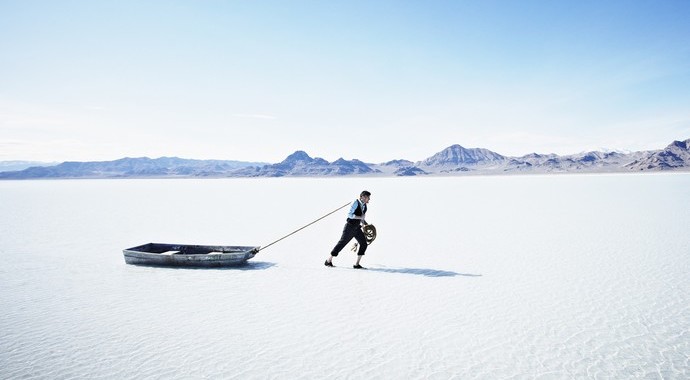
423 272
247 266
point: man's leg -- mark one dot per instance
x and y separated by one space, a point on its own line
348 234
362 240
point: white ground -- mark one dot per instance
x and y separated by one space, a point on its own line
573 276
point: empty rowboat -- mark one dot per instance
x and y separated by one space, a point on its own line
184 255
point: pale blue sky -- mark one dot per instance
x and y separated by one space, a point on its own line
373 80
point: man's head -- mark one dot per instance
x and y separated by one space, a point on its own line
364 196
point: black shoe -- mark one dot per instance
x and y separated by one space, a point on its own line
357 266
328 264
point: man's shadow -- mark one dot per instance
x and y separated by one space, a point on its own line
423 272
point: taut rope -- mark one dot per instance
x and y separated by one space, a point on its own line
301 228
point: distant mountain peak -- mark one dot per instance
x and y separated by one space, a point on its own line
398 163
451 160
456 155
675 155
299 155
684 145
301 164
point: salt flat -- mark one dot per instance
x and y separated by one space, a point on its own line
571 276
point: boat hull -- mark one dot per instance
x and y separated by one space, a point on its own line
184 255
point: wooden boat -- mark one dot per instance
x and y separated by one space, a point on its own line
183 255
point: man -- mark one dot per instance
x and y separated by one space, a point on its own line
355 218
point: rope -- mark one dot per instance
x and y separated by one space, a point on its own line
301 228
369 233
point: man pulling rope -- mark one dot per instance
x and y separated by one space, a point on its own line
355 218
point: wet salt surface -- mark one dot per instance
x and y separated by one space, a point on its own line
470 277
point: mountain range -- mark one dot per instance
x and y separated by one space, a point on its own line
454 160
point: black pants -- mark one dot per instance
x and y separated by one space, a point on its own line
350 231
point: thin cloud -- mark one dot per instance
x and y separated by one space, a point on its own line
254 116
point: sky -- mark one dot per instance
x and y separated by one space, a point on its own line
370 80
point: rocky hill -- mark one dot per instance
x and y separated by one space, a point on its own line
674 156
456 155
454 160
9 166
301 164
130 167
457 160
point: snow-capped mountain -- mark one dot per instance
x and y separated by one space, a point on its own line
301 164
130 167
674 156
454 160
456 155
